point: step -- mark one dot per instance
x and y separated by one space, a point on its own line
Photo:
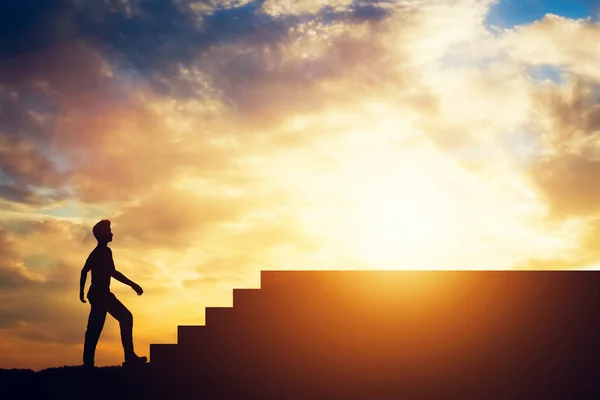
164 354
378 294
367 281
274 279
266 307
224 324
299 281
246 298
190 333
175 361
254 306
218 316
203 340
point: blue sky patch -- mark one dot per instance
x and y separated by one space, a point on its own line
508 13
544 72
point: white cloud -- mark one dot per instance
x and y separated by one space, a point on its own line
557 41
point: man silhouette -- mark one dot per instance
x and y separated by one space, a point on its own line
102 301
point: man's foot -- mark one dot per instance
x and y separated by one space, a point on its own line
135 360
89 365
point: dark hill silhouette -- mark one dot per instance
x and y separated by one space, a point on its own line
371 335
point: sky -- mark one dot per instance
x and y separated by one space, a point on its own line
226 137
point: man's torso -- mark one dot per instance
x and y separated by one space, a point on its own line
102 266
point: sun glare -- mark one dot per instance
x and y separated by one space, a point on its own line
395 209
401 202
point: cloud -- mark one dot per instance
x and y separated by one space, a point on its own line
568 183
569 115
50 73
557 41
567 119
13 275
72 97
25 168
564 116
49 249
584 255
33 86
173 218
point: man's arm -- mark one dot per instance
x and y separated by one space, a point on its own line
84 272
123 279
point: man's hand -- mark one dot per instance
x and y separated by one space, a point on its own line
81 297
138 289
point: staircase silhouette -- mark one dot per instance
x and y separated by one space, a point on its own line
394 334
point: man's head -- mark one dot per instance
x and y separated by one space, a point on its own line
102 231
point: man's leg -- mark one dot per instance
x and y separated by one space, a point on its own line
92 334
125 318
